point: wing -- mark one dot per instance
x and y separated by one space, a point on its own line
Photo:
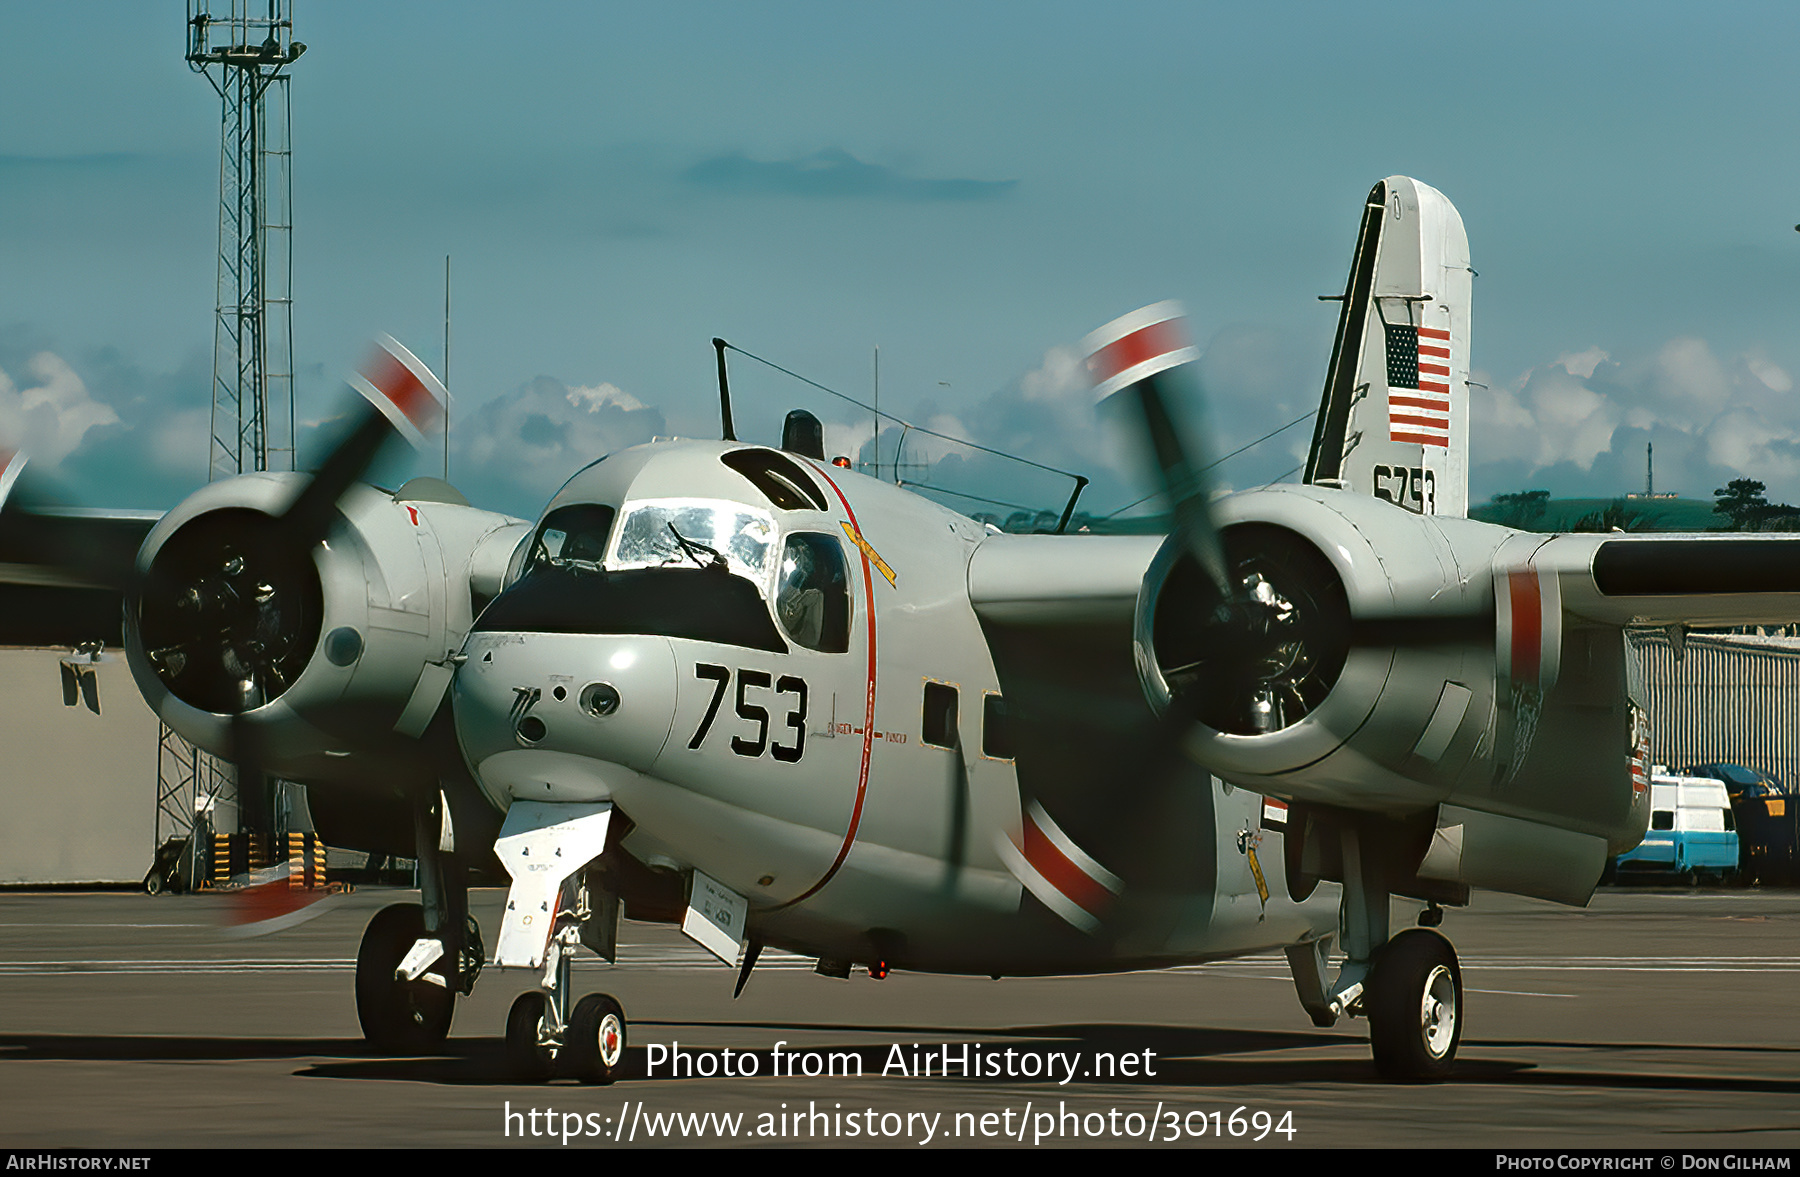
62 574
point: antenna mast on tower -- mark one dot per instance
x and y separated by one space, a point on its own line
244 52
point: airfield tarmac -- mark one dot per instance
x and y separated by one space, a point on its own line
1664 1020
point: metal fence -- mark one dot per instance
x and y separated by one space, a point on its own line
1728 699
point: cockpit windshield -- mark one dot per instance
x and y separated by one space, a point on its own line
659 533
678 568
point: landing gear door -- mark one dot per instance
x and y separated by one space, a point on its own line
541 845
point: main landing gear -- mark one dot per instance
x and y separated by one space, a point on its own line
1414 1004
1409 986
400 1016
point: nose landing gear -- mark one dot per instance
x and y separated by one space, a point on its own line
545 1039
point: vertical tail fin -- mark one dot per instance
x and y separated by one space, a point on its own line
1394 418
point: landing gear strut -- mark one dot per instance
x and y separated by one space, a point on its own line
544 1037
415 958
550 913
1408 986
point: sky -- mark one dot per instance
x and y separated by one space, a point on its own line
968 187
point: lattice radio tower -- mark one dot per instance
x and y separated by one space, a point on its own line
244 51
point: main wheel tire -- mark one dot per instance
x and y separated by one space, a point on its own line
398 1017
596 1045
1415 1007
527 1057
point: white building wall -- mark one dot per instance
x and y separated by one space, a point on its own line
77 790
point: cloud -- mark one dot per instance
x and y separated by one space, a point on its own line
832 174
1580 423
517 449
100 430
50 414
1247 383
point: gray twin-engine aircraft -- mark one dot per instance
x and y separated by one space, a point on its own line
788 705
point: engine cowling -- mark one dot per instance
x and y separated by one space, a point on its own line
333 658
1353 619
1418 670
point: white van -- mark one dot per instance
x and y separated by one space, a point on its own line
1692 832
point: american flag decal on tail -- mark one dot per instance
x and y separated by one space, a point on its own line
1418 377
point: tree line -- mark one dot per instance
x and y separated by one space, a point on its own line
1740 505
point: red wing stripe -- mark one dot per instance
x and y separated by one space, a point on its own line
1434 351
1433 386
1434 369
1424 422
1433 333
1420 402
1527 624
1421 439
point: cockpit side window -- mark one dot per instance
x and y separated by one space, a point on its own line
812 595
571 537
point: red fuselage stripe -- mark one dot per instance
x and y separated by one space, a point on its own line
868 727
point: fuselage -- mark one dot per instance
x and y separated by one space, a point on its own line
772 667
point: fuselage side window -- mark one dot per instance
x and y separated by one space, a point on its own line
939 726
812 595
996 737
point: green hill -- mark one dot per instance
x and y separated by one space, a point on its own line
1657 514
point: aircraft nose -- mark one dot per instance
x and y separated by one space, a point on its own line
563 717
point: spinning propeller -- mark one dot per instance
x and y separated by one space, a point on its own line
229 607
1259 626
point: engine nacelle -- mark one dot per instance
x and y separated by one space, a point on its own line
332 660
1368 664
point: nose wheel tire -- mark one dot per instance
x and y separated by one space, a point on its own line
398 1017
596 1046
1414 1005
528 1056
